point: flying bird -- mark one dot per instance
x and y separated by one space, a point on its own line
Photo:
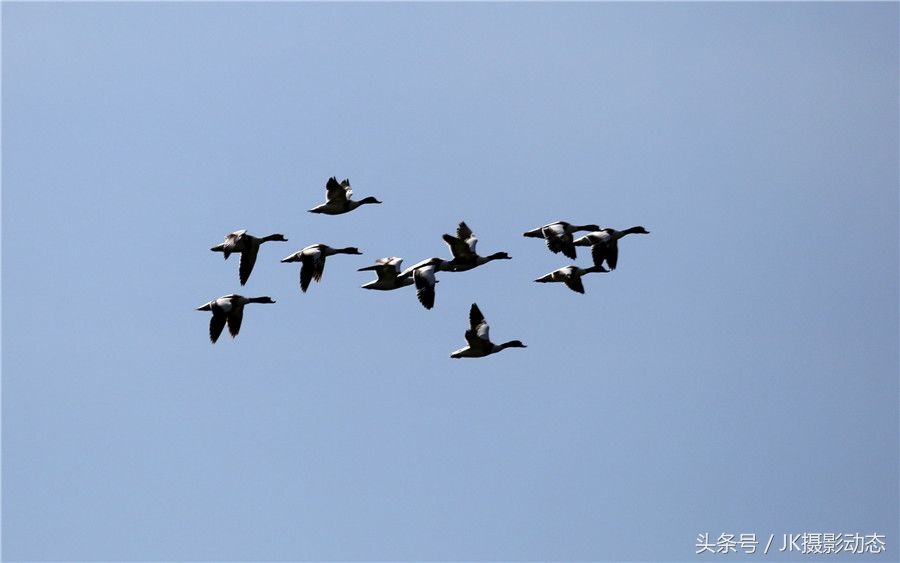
571 276
462 246
229 309
388 272
338 200
559 236
312 259
604 244
247 246
480 344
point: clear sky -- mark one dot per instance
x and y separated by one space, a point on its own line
737 373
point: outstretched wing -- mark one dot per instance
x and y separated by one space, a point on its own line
216 324
463 231
424 278
307 268
335 192
478 328
599 253
458 247
612 256
234 321
248 259
574 283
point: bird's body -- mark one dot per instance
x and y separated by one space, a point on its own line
462 246
478 338
604 244
312 259
229 309
337 198
559 236
571 276
247 246
389 275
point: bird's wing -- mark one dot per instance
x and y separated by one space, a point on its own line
335 192
319 261
612 256
458 247
386 272
234 321
307 269
463 232
424 278
599 253
561 244
248 259
216 324
574 283
477 325
553 230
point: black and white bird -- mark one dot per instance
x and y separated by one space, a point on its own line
337 196
477 336
229 309
559 236
571 276
388 272
312 259
423 276
465 257
247 246
604 244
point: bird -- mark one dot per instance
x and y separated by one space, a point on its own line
462 246
248 247
571 276
559 236
423 276
338 200
604 244
313 261
229 309
388 272
480 344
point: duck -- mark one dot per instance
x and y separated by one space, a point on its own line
388 272
604 244
480 344
248 247
559 236
571 276
338 200
229 309
313 261
462 246
423 276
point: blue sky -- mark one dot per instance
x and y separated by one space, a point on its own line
737 373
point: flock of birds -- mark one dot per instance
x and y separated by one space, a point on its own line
559 237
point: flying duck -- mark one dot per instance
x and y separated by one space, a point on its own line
604 244
338 200
229 309
248 247
388 272
313 261
480 344
559 236
571 276
462 246
423 276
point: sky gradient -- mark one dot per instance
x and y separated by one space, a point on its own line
737 373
